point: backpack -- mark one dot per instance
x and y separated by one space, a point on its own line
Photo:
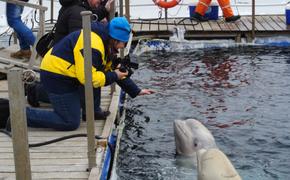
4 112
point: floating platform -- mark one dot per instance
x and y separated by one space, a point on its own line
265 26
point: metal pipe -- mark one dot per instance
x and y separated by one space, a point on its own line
19 125
26 4
89 96
253 20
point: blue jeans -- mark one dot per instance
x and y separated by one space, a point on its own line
65 115
24 34
42 96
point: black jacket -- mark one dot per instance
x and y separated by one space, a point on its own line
69 18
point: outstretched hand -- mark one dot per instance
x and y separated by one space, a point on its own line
108 5
146 92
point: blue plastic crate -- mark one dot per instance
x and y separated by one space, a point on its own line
287 14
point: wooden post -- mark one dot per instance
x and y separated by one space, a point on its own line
127 10
113 10
121 10
86 18
19 125
51 11
253 20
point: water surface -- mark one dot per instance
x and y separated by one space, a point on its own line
240 94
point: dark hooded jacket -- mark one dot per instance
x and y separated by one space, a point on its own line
69 18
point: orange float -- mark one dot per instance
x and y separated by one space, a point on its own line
166 4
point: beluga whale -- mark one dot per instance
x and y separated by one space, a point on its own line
191 136
194 141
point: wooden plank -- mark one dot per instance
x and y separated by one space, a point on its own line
49 168
52 155
187 25
111 118
196 25
137 25
206 26
214 25
163 25
247 23
232 26
272 23
145 26
265 24
258 26
154 25
10 162
223 25
279 22
283 20
51 175
240 24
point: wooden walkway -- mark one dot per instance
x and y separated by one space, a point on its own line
67 159
265 26
62 160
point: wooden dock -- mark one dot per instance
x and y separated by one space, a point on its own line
66 159
265 26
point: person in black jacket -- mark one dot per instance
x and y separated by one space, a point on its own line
70 20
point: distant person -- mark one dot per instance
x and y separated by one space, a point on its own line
24 34
70 19
203 5
62 72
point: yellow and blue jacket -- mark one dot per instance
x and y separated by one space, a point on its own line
62 68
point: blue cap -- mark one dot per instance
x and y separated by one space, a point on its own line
119 29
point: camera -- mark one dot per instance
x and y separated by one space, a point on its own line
126 64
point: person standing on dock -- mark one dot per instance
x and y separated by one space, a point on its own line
70 19
203 5
62 72
24 34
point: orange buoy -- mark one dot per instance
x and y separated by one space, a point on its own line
166 4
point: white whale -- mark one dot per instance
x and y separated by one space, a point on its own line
194 140
191 136
213 164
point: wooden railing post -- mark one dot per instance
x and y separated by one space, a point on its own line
127 10
253 19
86 18
19 125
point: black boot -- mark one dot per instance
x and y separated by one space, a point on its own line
32 95
198 17
99 115
233 18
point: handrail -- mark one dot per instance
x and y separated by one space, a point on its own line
239 5
35 6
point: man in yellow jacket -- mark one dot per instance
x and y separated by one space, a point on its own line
203 5
62 73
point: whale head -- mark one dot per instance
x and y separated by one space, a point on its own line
191 136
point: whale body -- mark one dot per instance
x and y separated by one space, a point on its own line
195 141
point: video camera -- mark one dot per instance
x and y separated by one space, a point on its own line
126 64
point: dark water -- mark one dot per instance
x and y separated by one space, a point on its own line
242 95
